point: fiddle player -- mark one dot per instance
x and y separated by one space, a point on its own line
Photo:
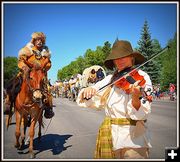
123 133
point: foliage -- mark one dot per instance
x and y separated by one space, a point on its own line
90 58
106 48
147 47
157 61
10 68
169 64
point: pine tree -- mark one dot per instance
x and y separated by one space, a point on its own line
169 64
106 48
157 61
146 49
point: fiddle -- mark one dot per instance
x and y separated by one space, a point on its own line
133 76
125 82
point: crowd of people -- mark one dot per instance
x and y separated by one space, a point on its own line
170 94
70 88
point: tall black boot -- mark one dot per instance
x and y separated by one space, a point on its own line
48 107
48 112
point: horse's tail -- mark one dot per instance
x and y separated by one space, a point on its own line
9 116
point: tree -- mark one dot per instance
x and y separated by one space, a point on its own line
146 48
169 64
157 61
73 68
63 73
81 64
10 68
156 46
100 56
90 58
106 48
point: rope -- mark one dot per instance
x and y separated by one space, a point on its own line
36 128
47 126
29 137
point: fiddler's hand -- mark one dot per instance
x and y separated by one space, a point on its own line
135 89
88 93
136 93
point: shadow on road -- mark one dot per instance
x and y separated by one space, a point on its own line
52 142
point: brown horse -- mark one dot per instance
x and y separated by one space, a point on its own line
29 102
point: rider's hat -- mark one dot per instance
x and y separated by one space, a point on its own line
38 35
122 48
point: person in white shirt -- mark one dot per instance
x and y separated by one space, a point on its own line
124 133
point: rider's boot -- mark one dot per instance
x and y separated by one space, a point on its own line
48 107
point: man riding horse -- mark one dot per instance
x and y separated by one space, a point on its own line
36 47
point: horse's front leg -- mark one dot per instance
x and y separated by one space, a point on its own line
17 131
40 124
31 136
23 133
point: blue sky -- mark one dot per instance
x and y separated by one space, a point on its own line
71 29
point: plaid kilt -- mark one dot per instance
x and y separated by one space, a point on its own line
104 139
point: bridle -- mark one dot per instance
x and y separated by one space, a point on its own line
33 90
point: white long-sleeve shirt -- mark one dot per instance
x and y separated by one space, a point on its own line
119 105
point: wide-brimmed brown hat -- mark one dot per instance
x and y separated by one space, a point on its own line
122 48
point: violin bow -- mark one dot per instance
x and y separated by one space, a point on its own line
138 66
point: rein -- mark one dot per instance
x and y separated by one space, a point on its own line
27 82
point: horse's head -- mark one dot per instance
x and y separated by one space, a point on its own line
36 81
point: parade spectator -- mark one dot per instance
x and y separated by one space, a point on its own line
158 92
72 83
100 74
92 77
172 89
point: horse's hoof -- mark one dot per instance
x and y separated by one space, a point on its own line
17 145
21 147
32 155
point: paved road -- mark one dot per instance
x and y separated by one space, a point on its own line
72 132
